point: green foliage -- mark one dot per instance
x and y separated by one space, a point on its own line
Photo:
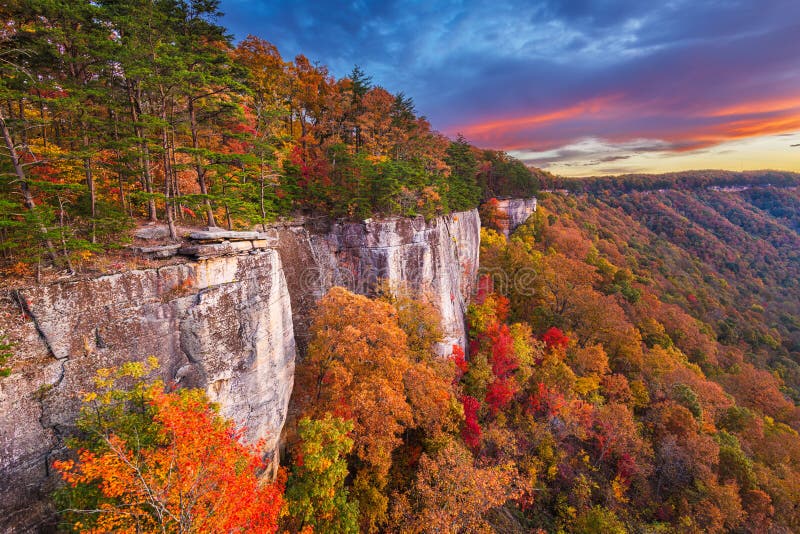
315 491
597 520
503 176
125 110
686 396
463 191
734 464
120 406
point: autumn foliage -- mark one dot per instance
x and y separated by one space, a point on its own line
620 398
165 462
555 338
361 368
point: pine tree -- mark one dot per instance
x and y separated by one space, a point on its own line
463 191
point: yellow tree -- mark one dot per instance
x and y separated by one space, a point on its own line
356 362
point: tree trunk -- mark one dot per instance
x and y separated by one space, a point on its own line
27 198
87 166
198 165
173 234
144 152
118 154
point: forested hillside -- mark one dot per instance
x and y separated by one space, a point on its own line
118 111
632 367
668 389
730 259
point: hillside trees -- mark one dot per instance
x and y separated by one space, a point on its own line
371 362
360 367
316 496
116 111
630 412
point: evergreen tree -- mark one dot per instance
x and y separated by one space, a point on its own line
463 191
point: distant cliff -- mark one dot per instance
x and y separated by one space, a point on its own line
517 211
439 257
229 324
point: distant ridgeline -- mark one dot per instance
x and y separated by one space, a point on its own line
116 111
674 180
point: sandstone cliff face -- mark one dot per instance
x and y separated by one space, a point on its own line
518 210
439 257
223 324
228 324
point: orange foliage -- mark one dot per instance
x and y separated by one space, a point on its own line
198 478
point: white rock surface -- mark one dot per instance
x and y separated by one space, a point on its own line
223 324
439 257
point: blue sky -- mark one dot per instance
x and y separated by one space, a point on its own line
579 87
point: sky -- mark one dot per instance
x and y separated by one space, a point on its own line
580 87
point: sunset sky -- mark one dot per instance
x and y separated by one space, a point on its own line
578 87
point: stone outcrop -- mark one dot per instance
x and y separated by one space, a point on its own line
517 210
227 320
438 257
224 324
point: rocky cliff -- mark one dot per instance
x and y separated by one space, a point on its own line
223 324
229 324
517 210
439 257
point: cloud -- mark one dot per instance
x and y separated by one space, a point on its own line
533 77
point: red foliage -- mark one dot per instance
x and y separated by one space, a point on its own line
501 307
555 338
485 288
545 401
199 460
492 216
241 127
459 359
504 362
312 170
471 433
49 93
626 467
499 393
188 211
237 146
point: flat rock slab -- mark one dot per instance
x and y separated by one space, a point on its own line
224 235
208 250
152 232
162 251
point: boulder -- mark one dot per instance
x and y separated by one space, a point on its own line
157 252
152 232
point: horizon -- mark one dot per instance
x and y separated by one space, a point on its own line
575 88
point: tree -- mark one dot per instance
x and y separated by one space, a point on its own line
463 191
492 217
357 359
150 460
451 494
315 492
399 398
599 519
